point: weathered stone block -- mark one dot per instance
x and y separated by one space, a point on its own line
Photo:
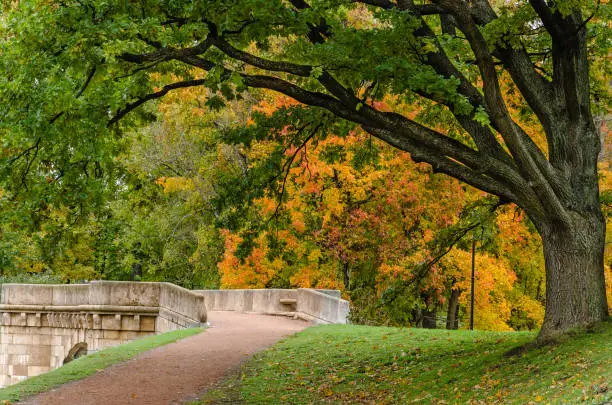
40 355
94 334
93 344
128 335
20 319
18 349
104 343
122 293
67 340
33 319
55 362
41 339
28 294
74 294
130 322
36 370
111 334
18 358
20 330
54 340
97 321
112 322
147 323
23 339
43 330
19 369
59 351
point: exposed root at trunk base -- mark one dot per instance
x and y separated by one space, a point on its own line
558 338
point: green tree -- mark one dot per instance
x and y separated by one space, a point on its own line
71 69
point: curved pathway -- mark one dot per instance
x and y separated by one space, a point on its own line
177 372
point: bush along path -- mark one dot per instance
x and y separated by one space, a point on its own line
178 372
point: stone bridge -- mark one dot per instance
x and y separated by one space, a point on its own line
45 326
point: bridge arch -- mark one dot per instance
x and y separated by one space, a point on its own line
78 350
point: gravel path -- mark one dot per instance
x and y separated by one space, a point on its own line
177 372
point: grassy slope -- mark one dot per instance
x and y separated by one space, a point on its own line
84 366
359 364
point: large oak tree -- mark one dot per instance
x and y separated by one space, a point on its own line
71 70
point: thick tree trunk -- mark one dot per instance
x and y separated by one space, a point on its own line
430 317
575 286
452 318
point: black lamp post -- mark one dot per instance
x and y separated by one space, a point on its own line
472 286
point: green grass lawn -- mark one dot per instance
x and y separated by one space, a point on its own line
84 366
377 365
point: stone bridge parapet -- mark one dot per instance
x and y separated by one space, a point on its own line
318 306
40 324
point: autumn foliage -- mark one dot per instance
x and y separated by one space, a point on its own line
357 215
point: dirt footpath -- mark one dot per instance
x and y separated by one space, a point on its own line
177 372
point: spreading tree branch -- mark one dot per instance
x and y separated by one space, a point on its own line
158 94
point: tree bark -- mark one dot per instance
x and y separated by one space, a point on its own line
575 285
346 273
452 318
